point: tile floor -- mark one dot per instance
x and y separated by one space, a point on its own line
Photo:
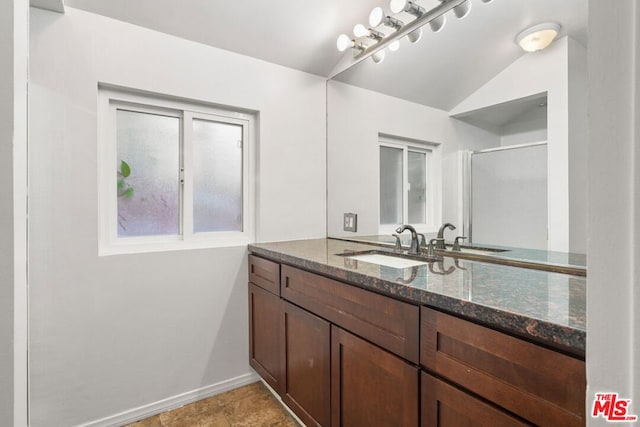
251 405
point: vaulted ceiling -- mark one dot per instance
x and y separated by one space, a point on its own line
448 65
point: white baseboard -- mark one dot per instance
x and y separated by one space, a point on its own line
173 402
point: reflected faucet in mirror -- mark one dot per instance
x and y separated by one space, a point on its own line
442 271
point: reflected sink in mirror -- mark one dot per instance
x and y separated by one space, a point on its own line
473 250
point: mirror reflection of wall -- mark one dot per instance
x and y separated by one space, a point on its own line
466 88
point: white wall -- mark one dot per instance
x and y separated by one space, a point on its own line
6 211
13 253
547 71
110 334
355 118
578 147
613 296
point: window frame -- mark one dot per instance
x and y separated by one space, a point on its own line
430 212
110 100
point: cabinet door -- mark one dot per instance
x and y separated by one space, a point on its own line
444 405
264 335
306 359
540 385
369 386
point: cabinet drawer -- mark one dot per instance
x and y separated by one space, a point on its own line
543 386
444 405
389 323
265 274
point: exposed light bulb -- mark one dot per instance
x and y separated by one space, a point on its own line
378 57
360 31
398 6
415 35
462 9
394 45
437 24
344 42
376 16
410 7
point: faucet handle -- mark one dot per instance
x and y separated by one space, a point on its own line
456 243
430 248
423 241
398 246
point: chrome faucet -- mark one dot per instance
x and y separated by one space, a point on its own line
440 238
414 249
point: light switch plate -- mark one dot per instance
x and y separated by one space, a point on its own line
350 222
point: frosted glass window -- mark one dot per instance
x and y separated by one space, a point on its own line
217 169
182 170
417 194
148 152
391 177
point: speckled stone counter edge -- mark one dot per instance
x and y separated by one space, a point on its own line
560 337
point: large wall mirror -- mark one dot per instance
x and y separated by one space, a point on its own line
465 127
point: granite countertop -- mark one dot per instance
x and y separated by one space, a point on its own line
545 307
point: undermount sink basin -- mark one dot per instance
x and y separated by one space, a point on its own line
387 260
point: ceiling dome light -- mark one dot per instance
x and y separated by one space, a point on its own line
344 42
394 45
376 16
537 37
378 57
415 35
487 1
437 24
462 9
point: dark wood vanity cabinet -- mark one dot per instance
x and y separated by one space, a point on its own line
341 355
264 320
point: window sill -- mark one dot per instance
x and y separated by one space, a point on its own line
123 247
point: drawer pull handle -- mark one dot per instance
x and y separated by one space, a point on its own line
252 270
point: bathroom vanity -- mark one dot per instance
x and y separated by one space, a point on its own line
347 342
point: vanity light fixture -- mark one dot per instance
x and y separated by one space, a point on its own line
538 37
392 22
435 17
